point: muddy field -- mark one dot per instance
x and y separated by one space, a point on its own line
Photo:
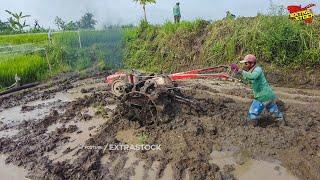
67 129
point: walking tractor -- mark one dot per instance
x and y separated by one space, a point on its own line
151 98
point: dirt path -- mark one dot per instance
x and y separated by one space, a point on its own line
67 129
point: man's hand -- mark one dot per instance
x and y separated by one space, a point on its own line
234 68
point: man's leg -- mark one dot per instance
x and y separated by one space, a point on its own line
179 17
255 110
274 110
175 19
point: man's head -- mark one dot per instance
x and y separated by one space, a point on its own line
249 61
177 3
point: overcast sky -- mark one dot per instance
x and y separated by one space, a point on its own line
128 12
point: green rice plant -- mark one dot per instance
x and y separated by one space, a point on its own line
27 55
38 38
29 68
87 38
66 39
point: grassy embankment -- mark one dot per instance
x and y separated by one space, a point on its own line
281 45
31 56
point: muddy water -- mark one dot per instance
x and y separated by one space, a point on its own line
10 172
252 169
8 133
14 115
262 170
142 173
87 130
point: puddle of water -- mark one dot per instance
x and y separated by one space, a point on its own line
138 165
68 96
168 173
14 115
8 133
131 160
252 169
188 175
222 158
262 170
11 172
105 160
152 173
139 171
76 140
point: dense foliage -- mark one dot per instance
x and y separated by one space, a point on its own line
275 40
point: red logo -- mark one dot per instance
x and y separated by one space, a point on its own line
301 14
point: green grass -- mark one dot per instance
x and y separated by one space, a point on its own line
143 138
275 40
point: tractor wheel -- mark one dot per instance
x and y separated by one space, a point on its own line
140 107
118 87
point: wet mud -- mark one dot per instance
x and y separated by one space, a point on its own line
71 124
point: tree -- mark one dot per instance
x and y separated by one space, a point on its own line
60 23
71 26
87 21
5 27
143 3
15 21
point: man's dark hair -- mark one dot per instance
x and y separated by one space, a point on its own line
178 3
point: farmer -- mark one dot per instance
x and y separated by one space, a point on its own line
264 97
177 13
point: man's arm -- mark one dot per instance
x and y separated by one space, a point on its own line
252 75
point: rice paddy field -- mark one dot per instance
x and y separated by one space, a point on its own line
33 58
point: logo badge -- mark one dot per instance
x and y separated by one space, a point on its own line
298 13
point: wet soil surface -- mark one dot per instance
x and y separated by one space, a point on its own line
69 129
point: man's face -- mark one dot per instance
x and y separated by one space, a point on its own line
248 65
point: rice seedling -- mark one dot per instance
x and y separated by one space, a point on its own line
38 38
29 68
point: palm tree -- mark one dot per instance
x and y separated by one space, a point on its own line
15 20
87 21
143 3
